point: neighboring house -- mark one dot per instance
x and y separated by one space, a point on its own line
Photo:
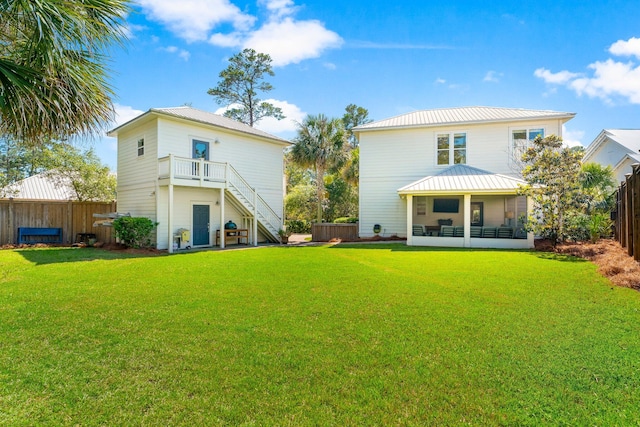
618 148
39 187
192 170
449 177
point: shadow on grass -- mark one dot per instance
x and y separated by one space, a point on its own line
41 256
401 247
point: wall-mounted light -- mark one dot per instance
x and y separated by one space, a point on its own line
153 193
216 141
217 202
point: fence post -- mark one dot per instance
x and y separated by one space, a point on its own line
636 211
629 213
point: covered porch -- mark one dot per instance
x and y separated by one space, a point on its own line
467 207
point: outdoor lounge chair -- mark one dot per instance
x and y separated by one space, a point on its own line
418 230
489 232
458 231
476 231
505 233
446 230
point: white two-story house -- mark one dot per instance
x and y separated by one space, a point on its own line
192 172
450 177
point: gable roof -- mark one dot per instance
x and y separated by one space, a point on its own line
627 138
38 187
202 117
464 179
462 115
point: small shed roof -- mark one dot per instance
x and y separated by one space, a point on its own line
39 187
462 115
460 179
203 117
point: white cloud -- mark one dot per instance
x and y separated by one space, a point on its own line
329 66
184 54
440 81
560 77
630 47
572 138
492 77
286 39
283 128
610 79
194 19
290 41
124 113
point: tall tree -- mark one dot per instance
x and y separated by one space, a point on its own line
53 76
552 172
354 116
239 87
82 171
319 144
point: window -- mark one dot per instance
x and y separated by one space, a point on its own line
141 147
200 149
446 205
521 140
452 153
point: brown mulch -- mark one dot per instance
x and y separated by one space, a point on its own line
612 259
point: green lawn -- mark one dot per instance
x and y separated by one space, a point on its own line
345 335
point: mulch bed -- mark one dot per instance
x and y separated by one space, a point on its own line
612 259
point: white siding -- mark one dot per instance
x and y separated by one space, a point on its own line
391 159
610 153
259 162
137 175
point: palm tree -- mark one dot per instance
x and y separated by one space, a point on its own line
319 144
53 76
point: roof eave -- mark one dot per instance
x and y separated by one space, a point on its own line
564 117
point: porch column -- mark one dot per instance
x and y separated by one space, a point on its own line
254 222
222 235
409 220
530 235
170 219
467 220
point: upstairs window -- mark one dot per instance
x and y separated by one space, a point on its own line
200 149
451 148
141 147
521 140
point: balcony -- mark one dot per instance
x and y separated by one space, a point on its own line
192 172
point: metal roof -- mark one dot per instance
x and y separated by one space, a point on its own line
628 138
39 187
464 179
204 117
462 115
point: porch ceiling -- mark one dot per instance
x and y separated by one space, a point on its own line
462 179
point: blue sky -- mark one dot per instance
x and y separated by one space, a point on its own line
389 57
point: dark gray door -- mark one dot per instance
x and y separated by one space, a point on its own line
200 225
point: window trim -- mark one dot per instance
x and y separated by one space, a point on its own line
452 149
193 140
140 145
527 129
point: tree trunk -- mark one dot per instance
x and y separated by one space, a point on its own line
320 190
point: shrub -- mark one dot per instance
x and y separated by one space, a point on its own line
345 220
134 232
298 226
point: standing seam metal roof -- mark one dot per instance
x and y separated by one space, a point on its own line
459 115
463 178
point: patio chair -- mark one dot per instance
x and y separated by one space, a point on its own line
458 231
505 233
418 230
489 232
446 230
476 231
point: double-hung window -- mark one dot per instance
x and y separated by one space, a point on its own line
521 140
140 147
451 148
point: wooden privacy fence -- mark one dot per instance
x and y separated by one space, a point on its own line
628 213
326 232
72 217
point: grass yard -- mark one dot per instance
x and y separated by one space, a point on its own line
345 335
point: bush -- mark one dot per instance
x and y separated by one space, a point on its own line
345 220
134 232
298 226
